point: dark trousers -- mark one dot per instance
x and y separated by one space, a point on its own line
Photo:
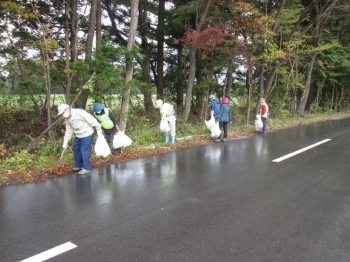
109 135
223 125
264 120
81 151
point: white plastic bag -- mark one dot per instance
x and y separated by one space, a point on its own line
102 147
117 140
121 140
164 126
211 122
258 123
126 140
215 131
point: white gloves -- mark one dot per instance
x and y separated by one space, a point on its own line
99 133
65 144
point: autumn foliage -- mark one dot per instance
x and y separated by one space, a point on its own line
206 40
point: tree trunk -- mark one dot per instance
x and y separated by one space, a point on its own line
91 32
74 17
192 70
134 13
145 64
305 95
180 80
249 86
229 78
67 50
98 37
160 49
308 76
81 103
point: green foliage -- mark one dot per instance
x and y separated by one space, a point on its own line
47 148
283 114
272 53
21 160
109 67
314 109
141 129
185 128
25 161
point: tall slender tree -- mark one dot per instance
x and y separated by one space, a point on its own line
134 13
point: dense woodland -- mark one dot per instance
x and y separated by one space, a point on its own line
294 53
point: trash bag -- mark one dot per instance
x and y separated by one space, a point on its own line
102 147
121 140
164 126
126 140
258 123
215 131
211 122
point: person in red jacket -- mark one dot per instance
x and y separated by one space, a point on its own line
264 109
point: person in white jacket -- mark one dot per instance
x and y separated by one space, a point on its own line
167 113
82 124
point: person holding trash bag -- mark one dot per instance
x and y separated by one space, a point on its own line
224 118
82 124
214 110
214 105
108 122
264 110
167 114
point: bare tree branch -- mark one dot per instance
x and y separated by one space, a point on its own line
36 140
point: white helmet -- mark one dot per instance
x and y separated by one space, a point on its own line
159 103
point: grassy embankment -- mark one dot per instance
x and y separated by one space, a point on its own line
17 166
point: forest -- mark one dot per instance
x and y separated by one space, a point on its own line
126 54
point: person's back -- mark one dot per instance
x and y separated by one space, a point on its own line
225 113
214 106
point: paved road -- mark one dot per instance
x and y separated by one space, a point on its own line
219 202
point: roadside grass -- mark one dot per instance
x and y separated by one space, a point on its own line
22 167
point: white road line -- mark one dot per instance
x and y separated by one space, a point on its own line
299 151
51 253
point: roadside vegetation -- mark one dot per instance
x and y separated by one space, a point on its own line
21 124
126 54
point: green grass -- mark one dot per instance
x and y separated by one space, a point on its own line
144 133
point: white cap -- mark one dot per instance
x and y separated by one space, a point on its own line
211 96
61 108
159 102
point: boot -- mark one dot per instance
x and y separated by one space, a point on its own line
263 131
166 139
173 139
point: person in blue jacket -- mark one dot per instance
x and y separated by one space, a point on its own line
214 105
224 118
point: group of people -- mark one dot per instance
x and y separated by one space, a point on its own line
82 124
222 114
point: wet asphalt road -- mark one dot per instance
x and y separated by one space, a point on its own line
219 202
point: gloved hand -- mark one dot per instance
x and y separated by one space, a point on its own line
99 132
65 144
